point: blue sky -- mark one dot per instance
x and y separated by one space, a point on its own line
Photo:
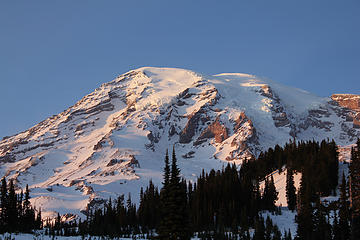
52 53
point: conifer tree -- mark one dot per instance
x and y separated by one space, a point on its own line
3 205
28 211
270 194
273 192
12 214
344 214
355 191
322 229
290 190
259 233
164 228
304 218
335 228
178 217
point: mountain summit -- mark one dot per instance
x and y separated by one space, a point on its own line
113 140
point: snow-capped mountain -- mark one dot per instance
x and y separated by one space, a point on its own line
113 140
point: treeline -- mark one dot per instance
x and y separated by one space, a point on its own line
222 204
223 201
318 161
228 203
16 212
337 220
354 192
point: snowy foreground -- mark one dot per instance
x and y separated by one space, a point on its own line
285 221
43 237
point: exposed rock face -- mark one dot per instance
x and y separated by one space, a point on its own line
352 102
214 130
245 134
240 121
200 116
356 120
278 113
188 132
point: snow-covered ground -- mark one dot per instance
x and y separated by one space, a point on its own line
23 236
285 221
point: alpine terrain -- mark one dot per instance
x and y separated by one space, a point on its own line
114 140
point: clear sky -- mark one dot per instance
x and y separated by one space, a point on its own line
52 53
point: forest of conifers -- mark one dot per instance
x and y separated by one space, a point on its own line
221 204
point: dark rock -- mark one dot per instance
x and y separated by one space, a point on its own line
7 158
134 162
188 132
180 103
113 162
153 138
97 146
350 101
172 131
189 154
356 121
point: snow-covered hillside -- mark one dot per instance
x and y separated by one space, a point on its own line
113 140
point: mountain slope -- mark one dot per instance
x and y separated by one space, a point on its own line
113 140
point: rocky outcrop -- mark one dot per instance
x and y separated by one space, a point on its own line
244 136
188 132
210 97
351 102
240 121
356 121
215 130
278 113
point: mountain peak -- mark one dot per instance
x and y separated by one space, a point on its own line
113 140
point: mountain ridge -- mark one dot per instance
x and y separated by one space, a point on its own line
113 140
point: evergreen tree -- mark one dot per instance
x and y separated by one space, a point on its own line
304 218
38 221
290 190
164 228
178 218
12 213
259 233
344 214
322 229
355 191
335 228
270 194
28 217
3 205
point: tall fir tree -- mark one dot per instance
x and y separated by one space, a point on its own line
12 214
3 205
322 228
164 227
178 217
270 194
355 191
344 214
305 217
290 190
